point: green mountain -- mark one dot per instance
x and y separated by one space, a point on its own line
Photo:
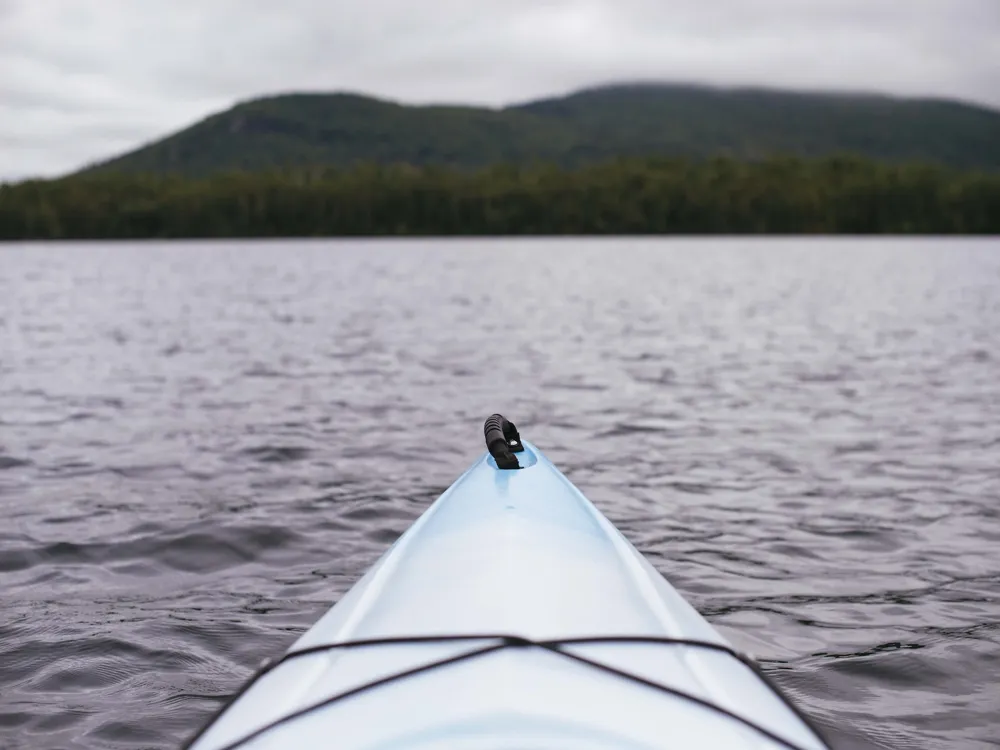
593 125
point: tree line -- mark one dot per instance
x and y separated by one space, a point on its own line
643 196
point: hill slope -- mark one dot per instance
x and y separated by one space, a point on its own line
591 125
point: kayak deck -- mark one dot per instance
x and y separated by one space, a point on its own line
524 553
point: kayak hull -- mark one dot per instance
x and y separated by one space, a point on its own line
523 553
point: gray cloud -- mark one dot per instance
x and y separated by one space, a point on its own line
84 79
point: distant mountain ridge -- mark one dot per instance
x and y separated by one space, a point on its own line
591 125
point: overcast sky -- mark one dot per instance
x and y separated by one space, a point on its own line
86 79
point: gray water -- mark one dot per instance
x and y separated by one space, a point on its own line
202 446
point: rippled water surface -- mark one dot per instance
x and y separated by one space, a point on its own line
202 446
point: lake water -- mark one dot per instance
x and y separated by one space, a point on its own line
202 446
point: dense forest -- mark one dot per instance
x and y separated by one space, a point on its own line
639 196
588 127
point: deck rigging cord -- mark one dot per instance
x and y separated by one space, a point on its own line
499 642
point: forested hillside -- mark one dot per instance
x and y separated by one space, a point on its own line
299 130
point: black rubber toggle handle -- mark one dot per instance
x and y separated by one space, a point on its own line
502 441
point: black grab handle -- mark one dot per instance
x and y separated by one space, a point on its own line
503 441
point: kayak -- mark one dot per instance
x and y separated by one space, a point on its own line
512 613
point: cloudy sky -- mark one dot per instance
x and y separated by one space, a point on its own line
85 79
